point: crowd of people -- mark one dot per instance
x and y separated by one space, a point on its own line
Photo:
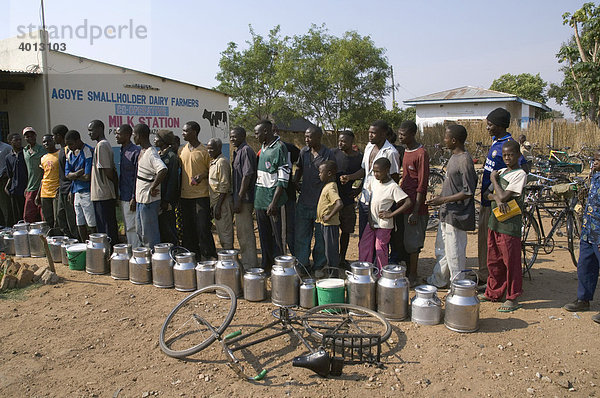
173 193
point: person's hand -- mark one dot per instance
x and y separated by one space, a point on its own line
132 204
272 209
194 181
37 201
327 217
237 205
6 191
164 205
344 179
155 191
217 212
71 176
504 207
438 200
494 174
412 219
385 214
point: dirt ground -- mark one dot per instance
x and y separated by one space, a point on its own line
92 336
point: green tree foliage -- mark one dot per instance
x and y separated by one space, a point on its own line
580 59
397 115
335 82
525 85
255 77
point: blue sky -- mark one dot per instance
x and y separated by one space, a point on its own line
432 45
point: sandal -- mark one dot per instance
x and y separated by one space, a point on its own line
483 298
509 306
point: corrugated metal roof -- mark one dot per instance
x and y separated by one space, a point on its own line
466 92
20 71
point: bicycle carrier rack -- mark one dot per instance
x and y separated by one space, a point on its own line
351 348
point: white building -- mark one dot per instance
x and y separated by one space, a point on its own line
472 103
81 90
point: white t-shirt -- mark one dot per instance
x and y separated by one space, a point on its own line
383 196
387 151
149 165
516 180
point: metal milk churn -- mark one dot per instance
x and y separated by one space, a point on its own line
392 292
140 266
119 261
162 266
284 282
308 293
426 306
21 239
462 305
205 274
55 246
228 272
362 284
97 254
9 242
63 250
255 284
184 273
36 231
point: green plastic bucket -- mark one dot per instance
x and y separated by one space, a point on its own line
76 256
331 291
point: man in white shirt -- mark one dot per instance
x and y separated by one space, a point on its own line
150 173
378 147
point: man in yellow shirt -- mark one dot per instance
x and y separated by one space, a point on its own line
47 195
194 201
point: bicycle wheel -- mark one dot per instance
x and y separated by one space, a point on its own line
346 319
436 180
573 236
184 333
530 241
576 160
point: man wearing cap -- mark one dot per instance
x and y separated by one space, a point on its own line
128 169
164 140
497 122
32 153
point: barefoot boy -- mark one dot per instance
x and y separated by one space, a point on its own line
328 210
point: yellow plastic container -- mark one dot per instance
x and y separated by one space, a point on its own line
514 210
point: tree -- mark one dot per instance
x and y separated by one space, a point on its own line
254 77
397 115
580 57
337 82
525 85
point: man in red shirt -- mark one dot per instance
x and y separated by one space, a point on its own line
415 179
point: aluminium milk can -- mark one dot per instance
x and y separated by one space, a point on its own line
255 284
308 293
63 250
284 282
21 239
9 242
228 272
462 305
140 266
426 306
55 246
36 231
162 266
184 273
119 261
97 254
392 292
362 284
205 274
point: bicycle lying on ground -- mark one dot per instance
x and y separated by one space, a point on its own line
345 333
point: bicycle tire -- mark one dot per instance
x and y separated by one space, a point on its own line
332 316
436 180
165 343
530 241
573 235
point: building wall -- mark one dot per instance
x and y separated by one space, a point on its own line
431 114
25 107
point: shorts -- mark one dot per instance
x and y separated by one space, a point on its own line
84 209
414 235
348 218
